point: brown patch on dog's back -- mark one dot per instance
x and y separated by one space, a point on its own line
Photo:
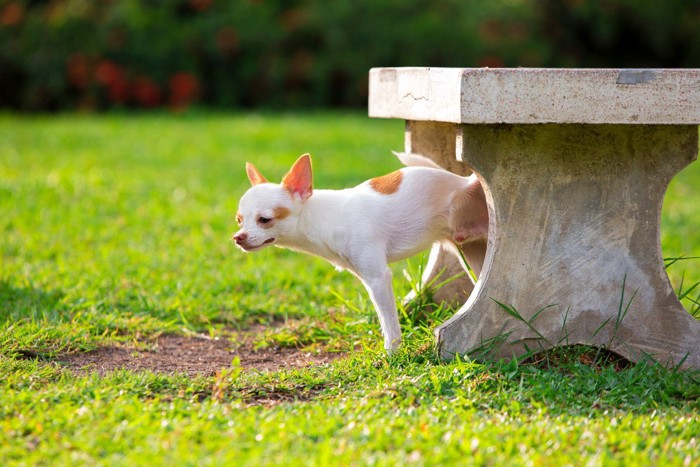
387 184
280 213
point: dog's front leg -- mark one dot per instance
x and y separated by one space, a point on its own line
379 286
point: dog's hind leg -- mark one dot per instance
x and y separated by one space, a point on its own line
469 216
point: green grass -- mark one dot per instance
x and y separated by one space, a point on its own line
115 228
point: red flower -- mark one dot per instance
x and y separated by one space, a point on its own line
491 61
227 40
146 92
111 75
79 70
184 89
201 5
118 92
108 72
11 14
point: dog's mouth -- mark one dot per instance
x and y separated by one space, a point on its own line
247 247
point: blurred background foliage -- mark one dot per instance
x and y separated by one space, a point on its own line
100 54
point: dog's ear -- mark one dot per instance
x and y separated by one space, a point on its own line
254 175
299 179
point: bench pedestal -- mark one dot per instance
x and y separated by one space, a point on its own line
574 254
574 242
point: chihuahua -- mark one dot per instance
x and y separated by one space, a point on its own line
364 228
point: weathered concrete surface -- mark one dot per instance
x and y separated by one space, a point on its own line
574 212
437 141
575 164
536 95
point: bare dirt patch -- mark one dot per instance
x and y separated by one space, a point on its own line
193 355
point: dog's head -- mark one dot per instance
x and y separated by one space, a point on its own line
267 212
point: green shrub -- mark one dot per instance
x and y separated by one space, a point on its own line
96 54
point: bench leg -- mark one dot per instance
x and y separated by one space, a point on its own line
574 252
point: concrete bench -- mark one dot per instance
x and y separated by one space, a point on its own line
575 164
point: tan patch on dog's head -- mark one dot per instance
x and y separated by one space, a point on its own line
387 184
281 213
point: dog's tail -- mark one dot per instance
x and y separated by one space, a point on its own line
410 159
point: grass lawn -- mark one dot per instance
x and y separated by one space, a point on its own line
115 230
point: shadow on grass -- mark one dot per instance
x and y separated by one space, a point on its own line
571 382
35 324
27 302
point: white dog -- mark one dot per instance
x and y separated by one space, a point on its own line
364 228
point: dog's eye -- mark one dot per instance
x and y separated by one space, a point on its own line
264 220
